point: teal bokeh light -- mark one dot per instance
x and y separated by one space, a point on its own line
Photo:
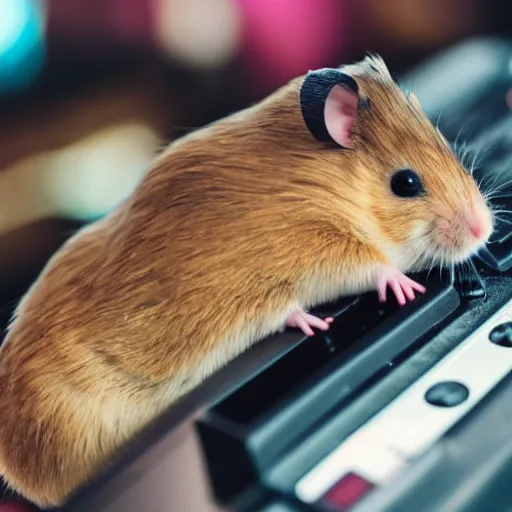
22 45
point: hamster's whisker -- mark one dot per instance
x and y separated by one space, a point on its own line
501 186
495 176
441 265
460 132
456 272
482 187
506 221
488 187
463 269
470 157
481 154
474 163
498 196
426 260
464 154
502 211
496 192
457 149
452 272
438 117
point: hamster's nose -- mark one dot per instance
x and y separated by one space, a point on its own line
480 223
476 226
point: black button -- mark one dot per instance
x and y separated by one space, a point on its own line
447 394
502 334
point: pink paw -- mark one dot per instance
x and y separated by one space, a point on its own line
304 321
402 286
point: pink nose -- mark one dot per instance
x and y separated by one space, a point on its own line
478 224
477 228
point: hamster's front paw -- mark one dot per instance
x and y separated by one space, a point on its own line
400 284
305 321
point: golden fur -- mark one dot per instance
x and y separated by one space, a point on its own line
233 225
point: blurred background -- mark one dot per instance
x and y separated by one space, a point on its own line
90 90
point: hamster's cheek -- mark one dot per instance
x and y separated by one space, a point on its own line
418 250
421 228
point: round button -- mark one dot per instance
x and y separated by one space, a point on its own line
447 394
502 335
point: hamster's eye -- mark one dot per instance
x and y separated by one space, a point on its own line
406 183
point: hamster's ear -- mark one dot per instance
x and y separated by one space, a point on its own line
329 100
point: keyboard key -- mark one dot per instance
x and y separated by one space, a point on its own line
469 282
347 492
497 255
263 418
365 336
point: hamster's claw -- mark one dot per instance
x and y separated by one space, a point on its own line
305 321
400 284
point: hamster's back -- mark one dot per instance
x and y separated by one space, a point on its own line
136 308
48 375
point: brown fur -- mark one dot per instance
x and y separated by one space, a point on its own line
232 226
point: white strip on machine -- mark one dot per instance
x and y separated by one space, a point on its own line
415 420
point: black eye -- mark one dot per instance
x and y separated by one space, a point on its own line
406 183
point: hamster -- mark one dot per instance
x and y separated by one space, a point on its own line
335 184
